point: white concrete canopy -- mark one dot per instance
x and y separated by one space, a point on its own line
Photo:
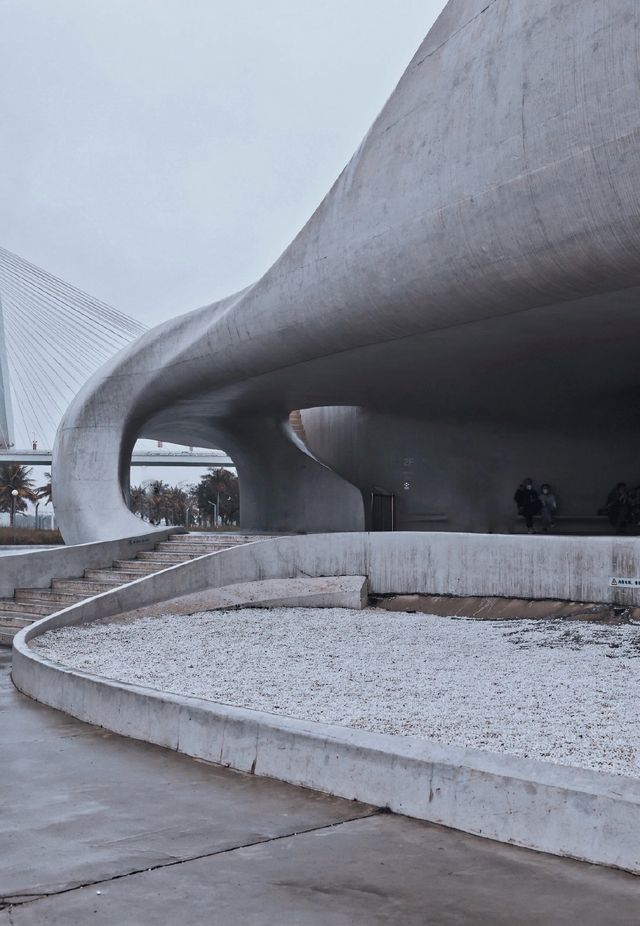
463 303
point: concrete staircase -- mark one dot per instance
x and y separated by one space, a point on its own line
31 604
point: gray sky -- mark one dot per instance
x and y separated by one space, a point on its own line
160 154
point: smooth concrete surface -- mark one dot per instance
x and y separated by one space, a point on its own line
36 569
100 829
17 549
470 282
324 592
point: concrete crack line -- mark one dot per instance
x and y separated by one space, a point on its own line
454 34
19 900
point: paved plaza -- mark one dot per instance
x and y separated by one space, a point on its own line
104 830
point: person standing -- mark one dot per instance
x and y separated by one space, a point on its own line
528 503
618 508
548 507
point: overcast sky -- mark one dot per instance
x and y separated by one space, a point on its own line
160 154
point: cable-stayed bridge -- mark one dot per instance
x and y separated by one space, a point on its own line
53 337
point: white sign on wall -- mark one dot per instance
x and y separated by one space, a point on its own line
619 582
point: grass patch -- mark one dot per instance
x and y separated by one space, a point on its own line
28 536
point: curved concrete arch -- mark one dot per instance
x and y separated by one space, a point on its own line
488 225
155 389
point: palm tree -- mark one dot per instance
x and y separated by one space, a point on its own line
157 501
178 501
44 491
138 500
219 491
157 496
14 476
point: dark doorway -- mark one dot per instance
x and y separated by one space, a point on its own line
382 510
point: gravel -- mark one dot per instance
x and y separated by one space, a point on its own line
564 692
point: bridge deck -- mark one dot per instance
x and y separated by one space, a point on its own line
139 458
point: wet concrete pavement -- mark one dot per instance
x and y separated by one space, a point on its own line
99 829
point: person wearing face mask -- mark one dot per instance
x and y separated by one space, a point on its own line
548 506
528 503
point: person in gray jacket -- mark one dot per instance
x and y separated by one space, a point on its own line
549 506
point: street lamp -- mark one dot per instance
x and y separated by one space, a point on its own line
14 495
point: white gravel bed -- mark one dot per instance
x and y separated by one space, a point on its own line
564 692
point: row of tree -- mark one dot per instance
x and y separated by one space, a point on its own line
15 477
214 500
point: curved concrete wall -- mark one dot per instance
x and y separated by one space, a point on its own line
562 568
565 811
475 266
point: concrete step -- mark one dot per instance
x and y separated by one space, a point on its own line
197 549
214 544
83 588
168 559
10 605
28 616
55 606
111 576
213 538
141 567
11 620
57 598
6 635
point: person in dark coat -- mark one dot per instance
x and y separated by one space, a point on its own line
528 503
548 507
618 508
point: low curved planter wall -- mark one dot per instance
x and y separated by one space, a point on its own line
551 808
566 568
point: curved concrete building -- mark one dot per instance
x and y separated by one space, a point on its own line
459 312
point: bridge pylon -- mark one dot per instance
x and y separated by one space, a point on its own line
6 412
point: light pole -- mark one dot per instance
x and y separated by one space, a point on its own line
14 495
